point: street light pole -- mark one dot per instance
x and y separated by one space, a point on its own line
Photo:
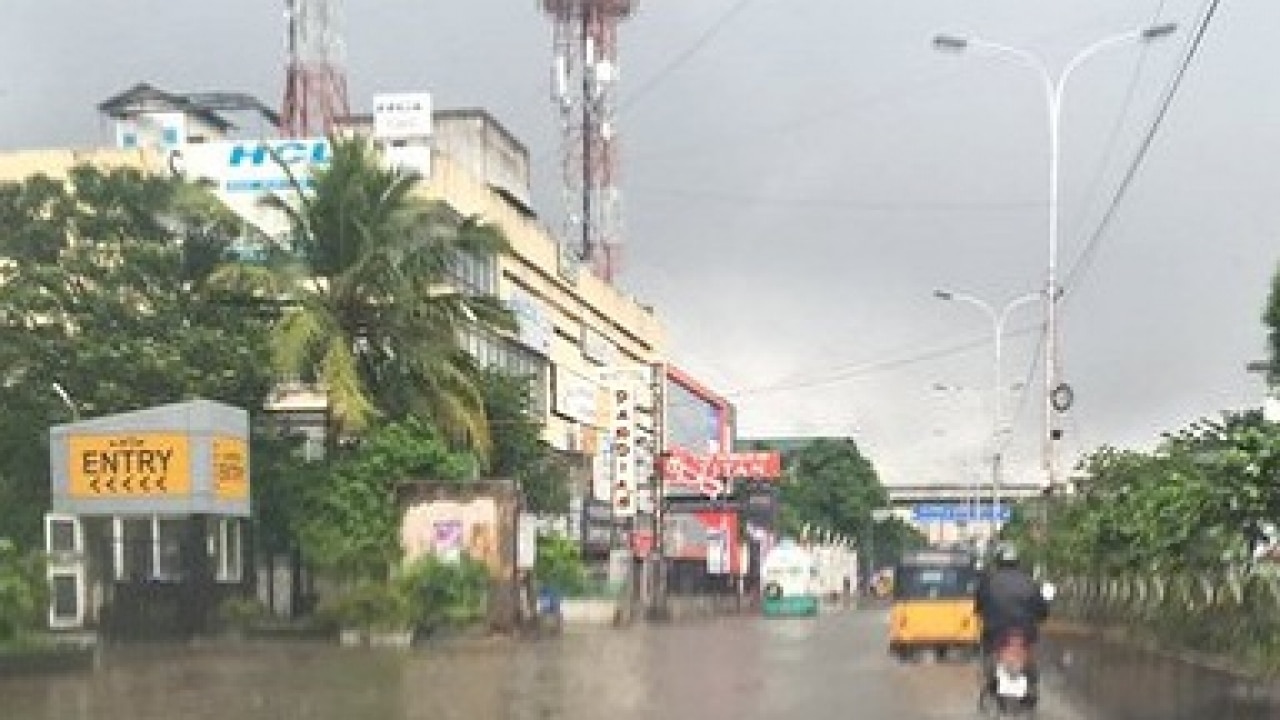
1054 88
998 321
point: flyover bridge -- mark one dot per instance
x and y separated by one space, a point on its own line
945 512
913 494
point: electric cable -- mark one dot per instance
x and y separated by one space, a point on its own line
1113 139
1086 258
686 55
848 372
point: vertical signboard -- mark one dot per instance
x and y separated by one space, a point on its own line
622 423
230 468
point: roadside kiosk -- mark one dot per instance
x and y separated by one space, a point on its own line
146 532
790 577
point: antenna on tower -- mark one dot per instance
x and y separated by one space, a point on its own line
315 90
584 89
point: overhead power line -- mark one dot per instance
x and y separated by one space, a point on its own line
685 55
838 375
1086 258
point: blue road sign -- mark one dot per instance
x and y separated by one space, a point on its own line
958 512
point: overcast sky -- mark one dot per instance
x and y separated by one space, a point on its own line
801 181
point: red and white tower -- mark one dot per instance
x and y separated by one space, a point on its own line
584 87
315 90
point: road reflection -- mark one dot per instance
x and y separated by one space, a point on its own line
740 668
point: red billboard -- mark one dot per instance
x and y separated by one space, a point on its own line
710 475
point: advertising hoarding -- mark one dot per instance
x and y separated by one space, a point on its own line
574 396
402 116
241 173
709 536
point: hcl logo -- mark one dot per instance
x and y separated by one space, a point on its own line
290 151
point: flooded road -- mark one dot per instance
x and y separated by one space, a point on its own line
834 666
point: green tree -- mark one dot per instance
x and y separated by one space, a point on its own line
830 485
1206 495
281 476
518 449
106 292
367 287
22 592
348 520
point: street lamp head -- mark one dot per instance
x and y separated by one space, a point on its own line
950 43
944 295
1155 32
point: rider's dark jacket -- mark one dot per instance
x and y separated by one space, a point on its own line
1008 598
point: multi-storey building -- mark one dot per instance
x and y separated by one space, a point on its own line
574 328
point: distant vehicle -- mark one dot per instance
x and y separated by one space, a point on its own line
790 581
932 607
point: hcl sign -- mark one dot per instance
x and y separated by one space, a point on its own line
291 152
255 167
252 167
241 172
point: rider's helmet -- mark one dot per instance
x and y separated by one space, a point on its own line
1006 555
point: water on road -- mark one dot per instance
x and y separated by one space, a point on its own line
833 666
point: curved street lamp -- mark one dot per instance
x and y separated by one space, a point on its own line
1053 88
999 318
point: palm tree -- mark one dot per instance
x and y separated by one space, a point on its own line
369 307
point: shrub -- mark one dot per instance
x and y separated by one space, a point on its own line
240 611
23 593
559 565
445 594
369 605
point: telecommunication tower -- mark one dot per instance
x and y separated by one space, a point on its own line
315 90
584 88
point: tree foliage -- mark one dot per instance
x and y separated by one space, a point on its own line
369 311
348 520
831 488
518 449
106 292
1206 495
22 593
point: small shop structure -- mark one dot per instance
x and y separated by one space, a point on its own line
146 533
791 581
719 520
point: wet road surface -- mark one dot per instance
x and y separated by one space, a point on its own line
833 666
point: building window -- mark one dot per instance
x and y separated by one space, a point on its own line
475 274
492 351
149 549
129 140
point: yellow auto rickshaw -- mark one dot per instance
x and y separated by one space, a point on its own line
932 606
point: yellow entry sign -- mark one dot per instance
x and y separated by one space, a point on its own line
230 468
129 464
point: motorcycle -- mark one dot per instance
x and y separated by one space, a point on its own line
1009 685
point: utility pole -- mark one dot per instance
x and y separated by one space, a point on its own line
658 444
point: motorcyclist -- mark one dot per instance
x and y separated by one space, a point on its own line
1008 598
